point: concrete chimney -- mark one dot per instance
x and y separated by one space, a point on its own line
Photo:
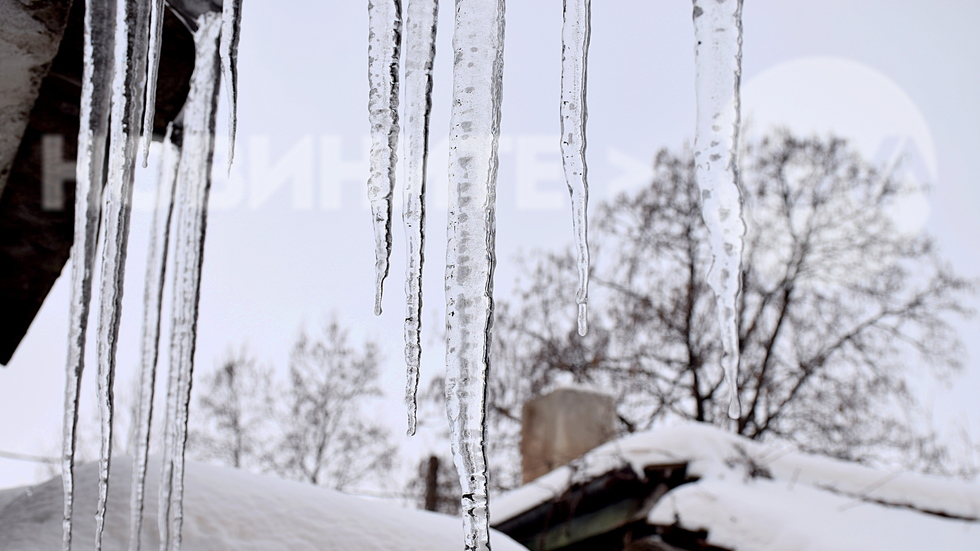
561 426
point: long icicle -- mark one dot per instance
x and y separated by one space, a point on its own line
384 39
167 458
575 33
153 70
128 89
156 269
718 54
421 19
194 184
90 175
231 24
478 42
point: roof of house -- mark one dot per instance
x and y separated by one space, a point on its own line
748 495
40 92
228 510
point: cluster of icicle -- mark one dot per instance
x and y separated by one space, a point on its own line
121 59
474 132
470 258
122 45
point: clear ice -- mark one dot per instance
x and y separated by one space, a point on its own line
153 70
167 459
193 187
384 39
718 56
420 51
156 269
128 92
231 24
90 174
478 42
576 28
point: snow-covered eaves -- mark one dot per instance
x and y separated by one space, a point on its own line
39 118
748 495
778 515
228 510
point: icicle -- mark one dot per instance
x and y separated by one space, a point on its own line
477 86
166 461
421 22
193 187
90 174
149 349
718 31
128 89
384 38
231 24
153 70
576 28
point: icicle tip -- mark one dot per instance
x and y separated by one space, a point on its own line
734 406
583 318
412 425
145 151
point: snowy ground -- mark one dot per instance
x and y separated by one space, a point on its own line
227 509
751 496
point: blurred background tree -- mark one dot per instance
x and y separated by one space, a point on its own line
839 306
314 427
236 423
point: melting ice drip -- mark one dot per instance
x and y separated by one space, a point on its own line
575 35
121 57
420 49
718 54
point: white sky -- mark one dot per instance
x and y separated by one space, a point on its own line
276 260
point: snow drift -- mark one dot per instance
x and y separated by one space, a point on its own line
226 509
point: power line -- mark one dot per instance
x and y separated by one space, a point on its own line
25 457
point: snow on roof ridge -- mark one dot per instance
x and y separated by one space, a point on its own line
711 453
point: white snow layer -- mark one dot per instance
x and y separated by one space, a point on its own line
801 503
226 509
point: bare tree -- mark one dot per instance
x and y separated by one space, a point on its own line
328 435
837 307
315 427
236 425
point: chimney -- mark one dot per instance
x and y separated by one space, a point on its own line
561 426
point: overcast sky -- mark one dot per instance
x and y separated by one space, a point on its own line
896 77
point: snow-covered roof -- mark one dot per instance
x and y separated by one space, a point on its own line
772 498
227 510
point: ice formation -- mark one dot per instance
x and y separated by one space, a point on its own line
384 40
90 173
576 28
121 48
193 186
477 88
718 32
153 70
420 51
478 47
156 270
231 22
128 89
